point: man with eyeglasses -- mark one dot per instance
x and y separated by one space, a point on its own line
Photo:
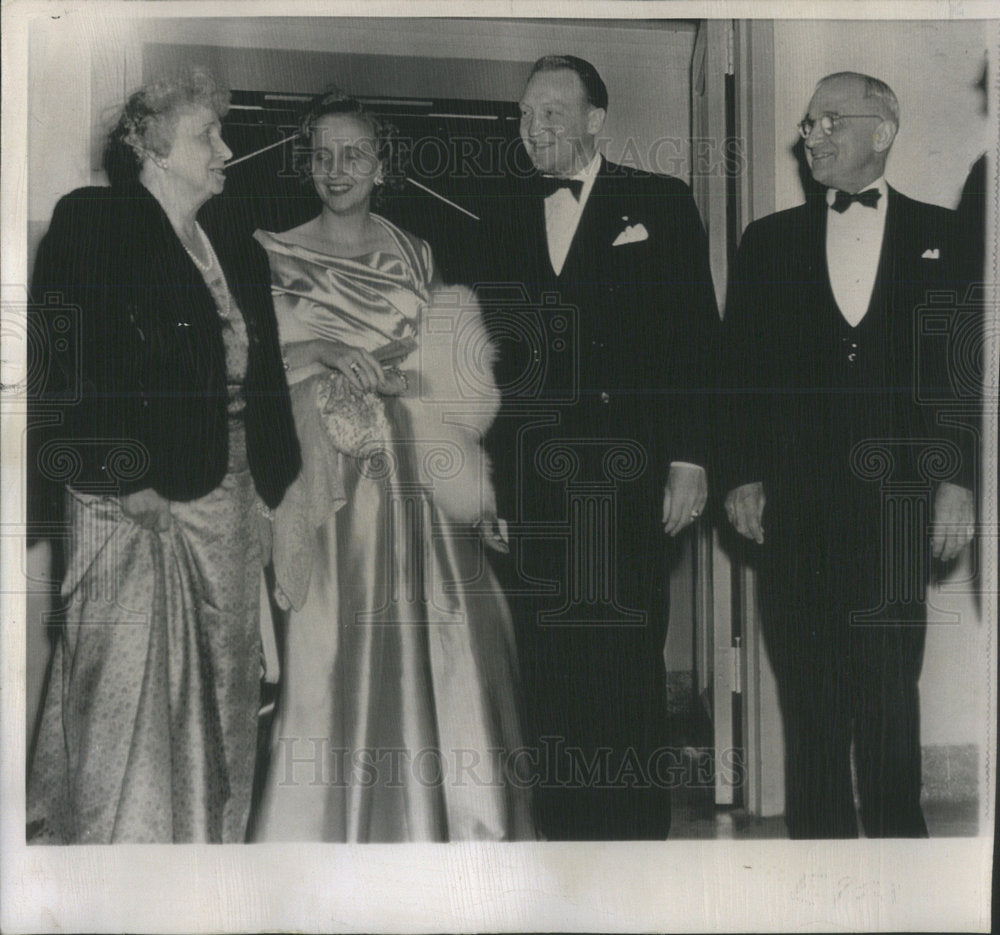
836 456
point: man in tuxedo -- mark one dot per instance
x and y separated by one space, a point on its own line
844 438
604 312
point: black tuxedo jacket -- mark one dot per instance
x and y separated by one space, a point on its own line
635 357
133 394
783 346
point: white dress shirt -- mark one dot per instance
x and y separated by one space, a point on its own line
562 213
853 249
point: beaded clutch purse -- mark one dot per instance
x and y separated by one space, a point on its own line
355 419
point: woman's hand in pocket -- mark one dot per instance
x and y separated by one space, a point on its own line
148 509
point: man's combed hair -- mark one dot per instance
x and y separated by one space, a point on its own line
593 84
875 90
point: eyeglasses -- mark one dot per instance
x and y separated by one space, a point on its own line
828 123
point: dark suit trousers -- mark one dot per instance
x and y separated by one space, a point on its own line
841 677
591 660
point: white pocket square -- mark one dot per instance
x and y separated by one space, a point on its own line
929 254
634 233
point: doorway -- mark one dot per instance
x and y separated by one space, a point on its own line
452 153
732 120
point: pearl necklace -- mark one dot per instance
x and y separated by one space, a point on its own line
217 285
206 246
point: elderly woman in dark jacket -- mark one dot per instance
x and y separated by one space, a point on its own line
168 422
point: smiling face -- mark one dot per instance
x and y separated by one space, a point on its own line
558 125
854 154
344 162
194 169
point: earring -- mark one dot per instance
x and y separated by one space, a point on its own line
379 179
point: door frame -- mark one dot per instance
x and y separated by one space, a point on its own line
732 79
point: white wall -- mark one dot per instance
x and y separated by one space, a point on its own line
932 67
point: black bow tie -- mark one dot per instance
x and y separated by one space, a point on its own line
549 185
843 200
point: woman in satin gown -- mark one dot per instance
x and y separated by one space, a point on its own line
165 422
397 718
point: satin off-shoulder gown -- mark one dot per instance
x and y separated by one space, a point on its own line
397 718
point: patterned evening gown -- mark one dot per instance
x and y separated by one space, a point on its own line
149 728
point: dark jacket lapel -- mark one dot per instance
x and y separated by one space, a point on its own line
813 245
592 226
891 248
